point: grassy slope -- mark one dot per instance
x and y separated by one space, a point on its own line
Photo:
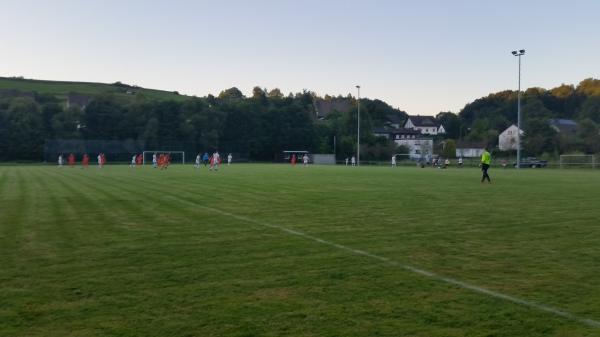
61 89
136 252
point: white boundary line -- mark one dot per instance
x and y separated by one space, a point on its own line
423 272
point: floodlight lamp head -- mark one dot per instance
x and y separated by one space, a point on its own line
522 51
514 52
358 87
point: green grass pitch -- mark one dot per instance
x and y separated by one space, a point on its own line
271 250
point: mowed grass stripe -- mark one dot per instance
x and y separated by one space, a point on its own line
19 222
59 213
3 179
29 253
136 199
185 216
56 296
14 196
189 220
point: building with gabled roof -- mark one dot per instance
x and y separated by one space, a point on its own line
509 138
419 145
425 124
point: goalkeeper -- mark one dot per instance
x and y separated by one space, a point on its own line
486 160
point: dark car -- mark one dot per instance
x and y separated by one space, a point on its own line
532 162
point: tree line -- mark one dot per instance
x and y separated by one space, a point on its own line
261 126
258 127
485 118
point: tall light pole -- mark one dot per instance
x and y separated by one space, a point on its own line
519 53
358 133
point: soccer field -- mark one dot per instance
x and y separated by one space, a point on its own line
271 250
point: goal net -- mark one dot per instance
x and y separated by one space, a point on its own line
577 161
176 156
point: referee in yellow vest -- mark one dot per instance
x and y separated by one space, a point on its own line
486 159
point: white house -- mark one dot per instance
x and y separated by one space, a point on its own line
427 125
508 139
469 149
418 145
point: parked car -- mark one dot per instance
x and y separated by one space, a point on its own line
532 162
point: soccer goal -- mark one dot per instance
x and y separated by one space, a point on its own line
287 155
403 159
176 156
577 161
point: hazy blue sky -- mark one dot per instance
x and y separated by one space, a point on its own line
420 56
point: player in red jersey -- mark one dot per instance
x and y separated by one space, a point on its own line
85 162
71 160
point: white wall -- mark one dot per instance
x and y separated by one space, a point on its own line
507 140
428 130
469 153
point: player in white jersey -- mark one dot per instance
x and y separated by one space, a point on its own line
216 160
229 158
100 160
133 161
154 160
394 161
353 161
305 159
197 161
61 161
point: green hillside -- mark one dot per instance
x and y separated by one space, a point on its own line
61 89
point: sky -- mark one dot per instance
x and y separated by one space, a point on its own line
419 56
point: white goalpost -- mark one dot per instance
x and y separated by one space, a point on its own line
147 156
577 161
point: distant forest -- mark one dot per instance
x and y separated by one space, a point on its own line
261 126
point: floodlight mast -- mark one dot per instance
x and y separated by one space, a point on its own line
358 130
519 53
